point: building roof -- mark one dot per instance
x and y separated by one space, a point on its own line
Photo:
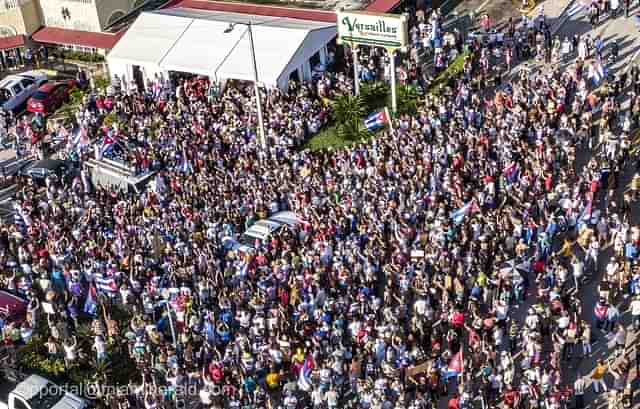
11 42
128 18
181 40
234 17
63 36
382 6
259 10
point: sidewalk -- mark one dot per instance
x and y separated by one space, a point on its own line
54 67
554 11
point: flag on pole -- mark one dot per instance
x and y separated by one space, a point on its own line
459 215
106 284
598 73
455 366
304 379
107 144
386 111
376 120
575 9
512 172
90 306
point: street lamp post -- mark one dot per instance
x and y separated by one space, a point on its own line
261 133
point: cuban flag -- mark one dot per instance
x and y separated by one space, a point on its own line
76 137
575 9
90 305
459 215
79 138
455 365
304 379
376 120
598 73
21 218
587 212
106 284
107 144
512 172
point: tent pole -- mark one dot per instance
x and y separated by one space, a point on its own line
263 139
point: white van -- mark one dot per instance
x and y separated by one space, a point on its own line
261 231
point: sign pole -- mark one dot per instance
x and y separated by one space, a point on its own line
382 30
386 111
394 97
356 74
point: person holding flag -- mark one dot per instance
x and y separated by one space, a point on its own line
304 378
455 367
108 144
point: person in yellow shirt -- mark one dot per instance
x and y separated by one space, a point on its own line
273 378
598 376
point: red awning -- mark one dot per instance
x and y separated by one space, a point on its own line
382 6
247 8
7 43
62 36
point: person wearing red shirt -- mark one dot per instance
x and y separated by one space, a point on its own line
510 397
454 402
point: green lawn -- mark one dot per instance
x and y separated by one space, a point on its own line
328 138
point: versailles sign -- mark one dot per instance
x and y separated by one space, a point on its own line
382 30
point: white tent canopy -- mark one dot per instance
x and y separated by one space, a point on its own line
195 41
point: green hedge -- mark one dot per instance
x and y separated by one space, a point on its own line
82 56
453 70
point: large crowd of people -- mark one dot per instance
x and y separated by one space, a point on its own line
445 259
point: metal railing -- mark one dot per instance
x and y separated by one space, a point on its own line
12 4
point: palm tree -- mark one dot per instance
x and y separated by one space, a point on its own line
348 112
408 97
374 95
347 108
101 374
353 130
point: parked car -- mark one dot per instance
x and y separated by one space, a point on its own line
39 170
16 89
260 232
50 96
36 392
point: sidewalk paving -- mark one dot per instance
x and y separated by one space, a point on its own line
554 11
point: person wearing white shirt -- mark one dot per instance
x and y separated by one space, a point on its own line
332 398
635 312
70 353
100 347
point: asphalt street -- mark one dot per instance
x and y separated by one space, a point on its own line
625 31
